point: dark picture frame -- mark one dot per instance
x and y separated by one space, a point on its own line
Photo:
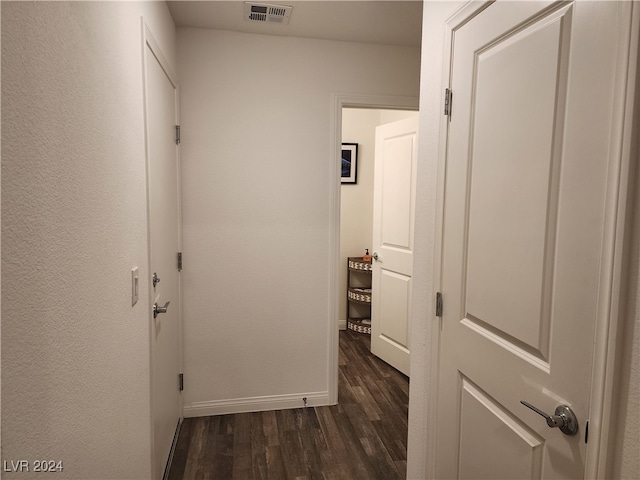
349 163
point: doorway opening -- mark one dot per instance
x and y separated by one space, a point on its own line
354 222
358 135
336 293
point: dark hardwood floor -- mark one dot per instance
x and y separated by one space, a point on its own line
363 437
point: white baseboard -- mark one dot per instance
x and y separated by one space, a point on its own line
342 324
255 404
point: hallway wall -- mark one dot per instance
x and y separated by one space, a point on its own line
624 459
256 127
75 353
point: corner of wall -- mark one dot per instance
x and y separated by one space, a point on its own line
624 455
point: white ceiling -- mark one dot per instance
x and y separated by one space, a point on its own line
393 22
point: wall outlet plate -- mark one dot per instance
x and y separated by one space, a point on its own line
134 285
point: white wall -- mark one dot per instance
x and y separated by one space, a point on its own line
356 201
256 123
624 462
389 116
624 452
75 353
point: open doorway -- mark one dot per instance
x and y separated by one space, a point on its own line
336 293
358 136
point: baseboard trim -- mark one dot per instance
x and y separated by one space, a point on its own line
342 324
255 404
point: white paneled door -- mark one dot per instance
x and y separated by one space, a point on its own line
393 224
524 218
164 238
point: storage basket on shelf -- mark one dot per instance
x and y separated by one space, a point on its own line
359 295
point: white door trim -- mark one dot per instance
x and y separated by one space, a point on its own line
620 188
617 229
457 20
338 102
149 41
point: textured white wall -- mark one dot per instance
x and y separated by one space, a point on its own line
75 353
624 462
256 122
356 201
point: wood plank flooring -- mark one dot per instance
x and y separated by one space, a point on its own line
363 437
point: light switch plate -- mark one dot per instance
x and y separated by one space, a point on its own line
134 286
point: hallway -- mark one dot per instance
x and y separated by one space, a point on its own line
363 437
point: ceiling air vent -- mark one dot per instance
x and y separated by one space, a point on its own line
267 13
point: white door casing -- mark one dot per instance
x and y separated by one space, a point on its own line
393 232
526 219
163 179
338 102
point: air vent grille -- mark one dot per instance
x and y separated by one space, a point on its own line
258 17
267 13
279 11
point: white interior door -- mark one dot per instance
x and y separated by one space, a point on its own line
524 219
393 224
164 230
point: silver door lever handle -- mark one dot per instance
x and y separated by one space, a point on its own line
564 418
375 255
157 310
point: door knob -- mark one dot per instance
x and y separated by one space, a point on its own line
157 310
375 255
563 418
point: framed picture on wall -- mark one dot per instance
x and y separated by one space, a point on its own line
349 162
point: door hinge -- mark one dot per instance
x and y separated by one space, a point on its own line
438 304
181 381
179 261
448 99
177 134
586 432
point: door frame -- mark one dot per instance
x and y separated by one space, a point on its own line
149 41
618 211
338 102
